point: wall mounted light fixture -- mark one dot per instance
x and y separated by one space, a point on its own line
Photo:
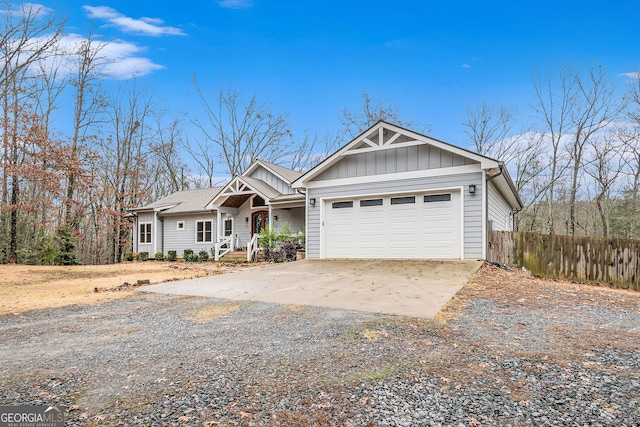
312 201
472 189
275 217
246 219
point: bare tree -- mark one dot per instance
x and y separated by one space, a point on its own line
89 103
241 130
27 36
604 164
488 128
125 156
353 123
553 103
595 107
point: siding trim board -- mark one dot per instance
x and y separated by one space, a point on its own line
454 170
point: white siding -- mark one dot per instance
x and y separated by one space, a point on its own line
179 240
144 217
472 239
403 159
272 180
499 211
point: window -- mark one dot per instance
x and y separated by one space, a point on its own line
437 198
340 205
371 202
180 225
258 201
228 227
402 200
145 233
204 232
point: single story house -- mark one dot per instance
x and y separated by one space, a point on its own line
388 193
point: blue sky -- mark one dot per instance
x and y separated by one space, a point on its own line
312 59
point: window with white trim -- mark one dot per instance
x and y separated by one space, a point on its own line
144 233
180 225
403 200
204 231
341 205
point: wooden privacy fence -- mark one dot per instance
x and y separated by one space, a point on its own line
612 261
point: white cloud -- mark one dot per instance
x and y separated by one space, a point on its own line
28 9
631 76
131 67
235 4
118 59
466 66
145 26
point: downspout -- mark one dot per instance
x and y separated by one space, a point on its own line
161 221
486 206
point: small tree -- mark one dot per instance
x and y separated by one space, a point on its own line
66 244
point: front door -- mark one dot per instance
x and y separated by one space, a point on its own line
259 221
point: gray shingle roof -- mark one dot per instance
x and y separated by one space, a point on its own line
261 187
184 201
288 174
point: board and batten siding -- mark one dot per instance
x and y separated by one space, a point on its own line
179 240
145 217
403 159
266 176
498 210
472 238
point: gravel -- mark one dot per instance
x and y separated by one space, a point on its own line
502 358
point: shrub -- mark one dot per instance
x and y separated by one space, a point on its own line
128 256
186 253
159 256
172 255
190 257
143 256
280 246
203 256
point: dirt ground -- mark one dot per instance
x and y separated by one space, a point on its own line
28 287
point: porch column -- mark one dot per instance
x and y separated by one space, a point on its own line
271 224
218 224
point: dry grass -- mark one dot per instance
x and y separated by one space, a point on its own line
25 287
210 312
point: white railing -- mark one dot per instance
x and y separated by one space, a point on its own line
252 248
222 247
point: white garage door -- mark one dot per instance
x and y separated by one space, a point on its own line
421 225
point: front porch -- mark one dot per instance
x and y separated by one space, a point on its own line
246 207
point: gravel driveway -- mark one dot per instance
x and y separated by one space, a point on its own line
509 350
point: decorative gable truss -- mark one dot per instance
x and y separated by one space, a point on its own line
380 139
234 188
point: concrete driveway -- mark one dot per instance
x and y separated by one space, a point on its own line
406 288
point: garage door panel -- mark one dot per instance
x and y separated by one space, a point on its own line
401 230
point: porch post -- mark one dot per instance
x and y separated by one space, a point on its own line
218 224
271 224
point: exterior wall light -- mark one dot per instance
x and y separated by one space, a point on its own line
275 217
472 189
312 201
246 219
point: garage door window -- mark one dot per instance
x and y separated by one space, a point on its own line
340 205
402 200
371 202
437 198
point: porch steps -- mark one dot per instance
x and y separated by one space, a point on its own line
236 257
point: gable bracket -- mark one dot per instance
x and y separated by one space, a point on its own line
384 147
393 138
